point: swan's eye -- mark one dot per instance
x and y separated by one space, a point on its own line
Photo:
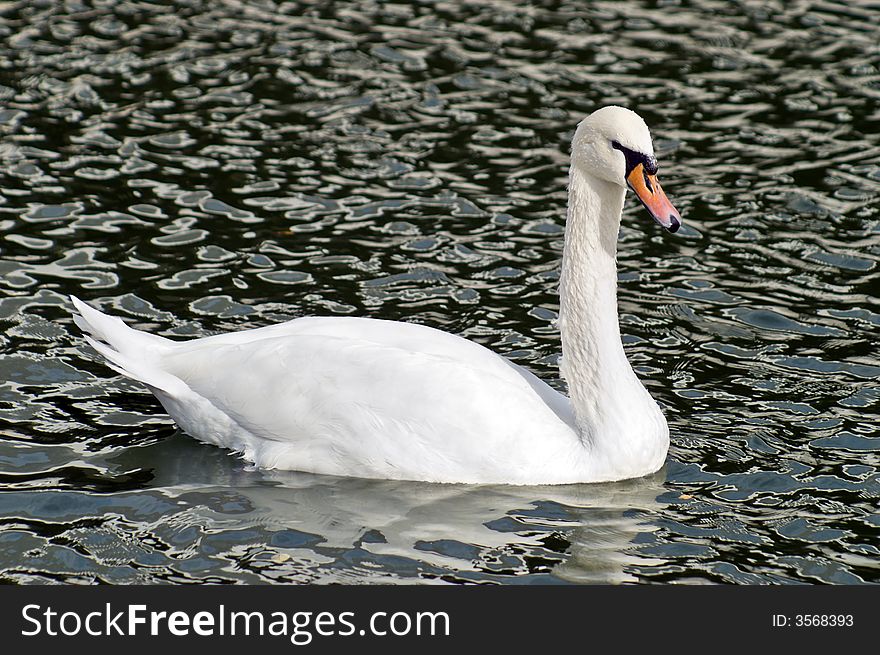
634 158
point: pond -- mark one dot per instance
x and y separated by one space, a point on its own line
206 166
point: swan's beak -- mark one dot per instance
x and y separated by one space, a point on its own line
648 189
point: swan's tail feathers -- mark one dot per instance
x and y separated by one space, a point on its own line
113 331
134 354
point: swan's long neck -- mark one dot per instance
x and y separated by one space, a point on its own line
613 411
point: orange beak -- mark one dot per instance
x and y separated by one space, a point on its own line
648 189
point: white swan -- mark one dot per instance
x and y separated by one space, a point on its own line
381 399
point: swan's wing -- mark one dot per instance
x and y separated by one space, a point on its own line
407 337
372 398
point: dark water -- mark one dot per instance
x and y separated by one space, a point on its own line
209 166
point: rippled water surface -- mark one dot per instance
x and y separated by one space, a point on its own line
209 166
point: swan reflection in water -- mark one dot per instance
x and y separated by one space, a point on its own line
361 530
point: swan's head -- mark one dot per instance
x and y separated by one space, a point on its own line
614 144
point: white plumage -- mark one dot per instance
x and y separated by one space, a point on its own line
383 399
